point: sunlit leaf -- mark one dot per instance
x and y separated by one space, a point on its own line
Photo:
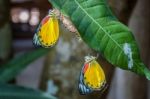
100 29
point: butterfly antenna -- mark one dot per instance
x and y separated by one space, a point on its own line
103 90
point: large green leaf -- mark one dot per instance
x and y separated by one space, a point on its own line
100 29
16 92
12 68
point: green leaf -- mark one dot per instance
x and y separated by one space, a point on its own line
100 29
16 92
12 68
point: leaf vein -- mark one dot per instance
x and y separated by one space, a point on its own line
98 24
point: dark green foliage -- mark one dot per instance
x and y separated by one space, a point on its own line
16 92
12 68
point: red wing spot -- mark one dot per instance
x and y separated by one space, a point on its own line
85 67
45 20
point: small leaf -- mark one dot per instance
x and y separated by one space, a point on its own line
12 68
100 29
16 92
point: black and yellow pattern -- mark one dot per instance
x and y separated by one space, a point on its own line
92 77
48 32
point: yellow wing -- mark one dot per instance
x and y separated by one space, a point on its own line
49 32
94 76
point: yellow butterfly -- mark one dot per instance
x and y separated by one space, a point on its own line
92 76
48 31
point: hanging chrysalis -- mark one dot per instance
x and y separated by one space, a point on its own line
69 25
92 77
47 33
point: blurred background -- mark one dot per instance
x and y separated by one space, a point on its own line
57 72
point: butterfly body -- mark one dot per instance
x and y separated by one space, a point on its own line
92 77
47 33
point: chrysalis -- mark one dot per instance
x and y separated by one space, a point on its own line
69 25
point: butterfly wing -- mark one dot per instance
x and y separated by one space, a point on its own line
36 38
47 33
83 89
94 76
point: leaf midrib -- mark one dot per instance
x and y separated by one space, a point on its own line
97 24
101 27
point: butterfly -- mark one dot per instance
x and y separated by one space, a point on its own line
92 77
47 33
